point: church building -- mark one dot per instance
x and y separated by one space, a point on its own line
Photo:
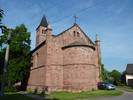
68 61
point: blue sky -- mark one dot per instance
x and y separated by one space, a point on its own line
112 20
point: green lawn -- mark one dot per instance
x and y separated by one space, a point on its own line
125 88
65 95
81 95
15 96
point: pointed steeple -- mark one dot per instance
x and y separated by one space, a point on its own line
97 41
97 38
43 22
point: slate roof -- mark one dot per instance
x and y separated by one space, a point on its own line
129 69
43 22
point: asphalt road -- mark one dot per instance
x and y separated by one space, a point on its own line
125 96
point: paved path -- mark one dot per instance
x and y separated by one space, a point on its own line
125 96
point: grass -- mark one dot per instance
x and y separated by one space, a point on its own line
125 88
82 95
15 96
65 95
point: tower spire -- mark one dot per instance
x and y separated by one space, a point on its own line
97 38
43 22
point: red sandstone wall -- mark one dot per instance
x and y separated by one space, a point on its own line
54 69
37 79
68 36
79 71
37 74
78 55
71 69
54 77
79 77
40 37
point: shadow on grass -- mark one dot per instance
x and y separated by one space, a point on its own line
16 96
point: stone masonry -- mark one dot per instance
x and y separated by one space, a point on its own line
68 61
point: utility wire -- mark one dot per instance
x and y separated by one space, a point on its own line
77 13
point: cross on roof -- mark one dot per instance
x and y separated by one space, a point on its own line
75 18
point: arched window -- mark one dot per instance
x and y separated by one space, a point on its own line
43 31
74 33
78 34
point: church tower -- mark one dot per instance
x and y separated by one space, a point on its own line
41 31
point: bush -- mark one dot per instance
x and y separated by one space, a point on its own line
35 91
10 89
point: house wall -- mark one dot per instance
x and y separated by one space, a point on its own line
128 77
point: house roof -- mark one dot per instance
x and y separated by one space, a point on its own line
129 69
43 22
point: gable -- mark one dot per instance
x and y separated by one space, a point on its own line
74 34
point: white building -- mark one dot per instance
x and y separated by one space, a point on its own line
129 74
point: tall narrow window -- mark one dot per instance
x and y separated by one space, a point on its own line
43 31
37 39
78 34
31 62
74 33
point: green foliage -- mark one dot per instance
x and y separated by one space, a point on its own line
10 89
125 88
1 14
15 96
19 50
103 74
123 78
83 95
2 52
115 77
19 58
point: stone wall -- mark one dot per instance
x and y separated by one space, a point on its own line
69 69
37 76
79 71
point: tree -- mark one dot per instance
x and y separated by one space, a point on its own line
103 73
19 58
123 78
1 50
1 14
19 51
115 76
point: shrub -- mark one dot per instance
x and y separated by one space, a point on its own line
10 89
